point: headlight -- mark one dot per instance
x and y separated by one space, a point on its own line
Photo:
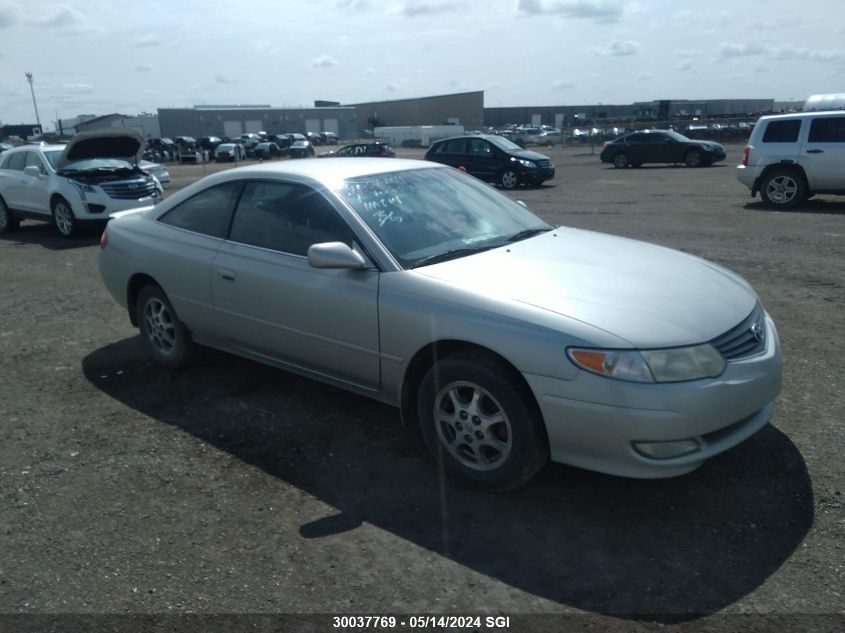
659 365
526 163
82 188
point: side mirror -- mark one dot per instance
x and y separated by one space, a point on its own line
335 255
32 170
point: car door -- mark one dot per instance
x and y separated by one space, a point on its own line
12 184
452 153
481 160
35 191
269 302
823 153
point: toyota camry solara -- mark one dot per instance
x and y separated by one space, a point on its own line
509 341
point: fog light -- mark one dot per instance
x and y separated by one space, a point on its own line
667 450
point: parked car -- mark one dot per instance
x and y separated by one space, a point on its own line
209 143
266 150
163 148
791 157
300 147
93 175
187 149
493 158
250 140
314 138
660 146
157 170
376 149
644 364
548 138
4 147
330 138
229 152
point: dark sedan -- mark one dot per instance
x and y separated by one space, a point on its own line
494 159
660 146
375 150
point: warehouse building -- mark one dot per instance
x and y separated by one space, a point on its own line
463 108
145 124
232 121
572 115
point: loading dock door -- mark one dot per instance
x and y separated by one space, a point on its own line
559 120
536 119
330 125
232 129
312 125
254 127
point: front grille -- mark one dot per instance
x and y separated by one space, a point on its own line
544 164
129 189
746 339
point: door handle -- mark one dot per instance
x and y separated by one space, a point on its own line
815 151
225 275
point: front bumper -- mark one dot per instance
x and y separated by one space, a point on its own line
594 422
101 206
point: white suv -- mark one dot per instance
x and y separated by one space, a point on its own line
92 176
791 157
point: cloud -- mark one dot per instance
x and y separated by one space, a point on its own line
143 68
66 20
223 79
417 8
622 49
354 5
370 71
146 41
563 84
598 10
78 89
390 87
740 50
63 16
492 86
8 15
687 52
323 61
645 76
685 66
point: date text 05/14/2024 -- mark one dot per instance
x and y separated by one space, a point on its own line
421 622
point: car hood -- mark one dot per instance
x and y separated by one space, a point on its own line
528 154
122 144
710 144
648 295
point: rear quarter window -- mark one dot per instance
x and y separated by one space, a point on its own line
782 131
827 130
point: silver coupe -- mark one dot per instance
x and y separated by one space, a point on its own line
507 340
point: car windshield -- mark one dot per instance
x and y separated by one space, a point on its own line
96 164
502 143
52 156
428 215
226 146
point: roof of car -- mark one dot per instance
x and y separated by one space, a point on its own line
331 168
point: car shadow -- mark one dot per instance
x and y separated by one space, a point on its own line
668 550
813 205
45 235
653 166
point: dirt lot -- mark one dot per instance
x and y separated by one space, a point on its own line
232 487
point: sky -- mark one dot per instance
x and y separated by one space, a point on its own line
105 56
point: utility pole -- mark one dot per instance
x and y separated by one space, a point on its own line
34 105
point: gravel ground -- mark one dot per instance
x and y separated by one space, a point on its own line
231 487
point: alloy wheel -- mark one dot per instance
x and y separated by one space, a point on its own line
64 218
782 189
159 326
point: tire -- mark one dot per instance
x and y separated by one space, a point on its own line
479 425
635 165
693 159
163 334
63 218
620 161
8 222
782 189
509 179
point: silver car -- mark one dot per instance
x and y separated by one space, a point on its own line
507 340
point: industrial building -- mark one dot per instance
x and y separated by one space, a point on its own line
571 115
145 124
464 108
232 121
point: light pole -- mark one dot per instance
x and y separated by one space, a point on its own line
34 105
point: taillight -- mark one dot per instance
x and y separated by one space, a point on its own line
745 152
104 239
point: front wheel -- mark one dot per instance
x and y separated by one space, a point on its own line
782 189
620 161
163 334
64 219
509 179
479 425
8 222
693 158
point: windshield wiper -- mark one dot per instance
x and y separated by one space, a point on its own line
452 254
524 235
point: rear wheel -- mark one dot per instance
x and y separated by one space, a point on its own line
163 334
782 189
64 219
8 222
620 161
